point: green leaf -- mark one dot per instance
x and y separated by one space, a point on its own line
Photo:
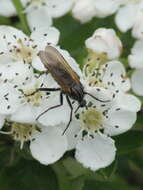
78 183
118 183
108 172
28 175
74 168
62 176
129 141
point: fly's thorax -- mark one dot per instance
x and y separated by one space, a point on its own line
77 92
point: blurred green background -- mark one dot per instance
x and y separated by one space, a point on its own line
19 171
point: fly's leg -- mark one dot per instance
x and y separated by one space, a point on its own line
104 101
61 103
71 113
43 89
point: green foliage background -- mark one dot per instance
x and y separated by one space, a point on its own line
18 171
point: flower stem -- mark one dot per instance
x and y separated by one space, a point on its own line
21 15
62 176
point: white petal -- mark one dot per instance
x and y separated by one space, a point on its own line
120 121
137 31
9 99
57 115
72 133
25 114
105 41
106 8
101 94
37 64
115 74
49 146
43 36
136 57
83 16
16 72
6 8
39 17
129 102
2 120
58 8
126 16
95 153
137 82
11 34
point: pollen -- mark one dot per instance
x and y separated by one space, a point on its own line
23 132
93 62
92 120
24 49
33 98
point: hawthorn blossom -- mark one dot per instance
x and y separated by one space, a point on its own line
40 13
26 106
136 62
93 126
40 138
129 16
104 42
94 8
112 112
16 46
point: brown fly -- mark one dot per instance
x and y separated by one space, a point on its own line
68 80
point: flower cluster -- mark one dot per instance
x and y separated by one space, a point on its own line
128 13
39 13
110 110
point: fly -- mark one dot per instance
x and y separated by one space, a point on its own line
66 77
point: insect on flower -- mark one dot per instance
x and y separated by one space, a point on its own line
68 80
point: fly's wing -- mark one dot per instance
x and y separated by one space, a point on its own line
62 63
59 69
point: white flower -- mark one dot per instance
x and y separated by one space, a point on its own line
47 145
94 8
16 46
113 113
30 105
33 104
41 12
111 75
105 41
136 62
130 16
94 148
6 8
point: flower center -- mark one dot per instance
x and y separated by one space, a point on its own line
35 98
23 132
92 120
93 61
23 51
